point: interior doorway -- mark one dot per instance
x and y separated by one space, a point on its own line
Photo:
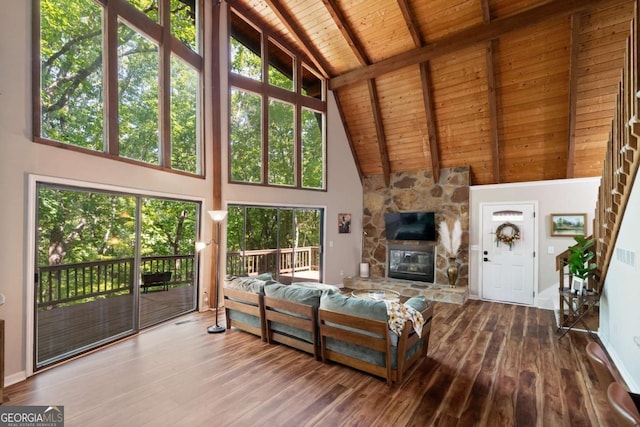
508 252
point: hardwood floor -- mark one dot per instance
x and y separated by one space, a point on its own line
489 364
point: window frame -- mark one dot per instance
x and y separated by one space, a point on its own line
122 10
268 92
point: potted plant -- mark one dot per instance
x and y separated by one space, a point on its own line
579 262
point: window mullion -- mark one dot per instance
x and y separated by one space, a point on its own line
111 78
165 85
297 125
265 112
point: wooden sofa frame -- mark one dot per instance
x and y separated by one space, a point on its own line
293 314
323 324
329 321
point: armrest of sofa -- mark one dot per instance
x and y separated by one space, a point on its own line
245 310
359 332
411 346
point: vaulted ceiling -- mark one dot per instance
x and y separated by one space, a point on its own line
519 90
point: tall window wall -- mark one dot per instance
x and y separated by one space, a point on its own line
277 122
120 78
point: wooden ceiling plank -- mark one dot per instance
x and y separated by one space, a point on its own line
382 143
475 34
430 114
347 32
305 43
576 20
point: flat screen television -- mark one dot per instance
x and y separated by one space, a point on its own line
410 226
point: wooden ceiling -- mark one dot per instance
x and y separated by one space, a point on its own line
519 90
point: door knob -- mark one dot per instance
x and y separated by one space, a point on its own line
486 259
486 252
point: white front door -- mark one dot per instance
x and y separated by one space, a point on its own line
508 267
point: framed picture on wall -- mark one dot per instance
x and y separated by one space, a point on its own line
344 223
568 225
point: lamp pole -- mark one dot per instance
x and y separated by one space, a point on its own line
217 217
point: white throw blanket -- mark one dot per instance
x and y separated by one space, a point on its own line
399 313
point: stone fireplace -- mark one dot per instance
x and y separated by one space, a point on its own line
411 262
412 192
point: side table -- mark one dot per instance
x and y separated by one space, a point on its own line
578 306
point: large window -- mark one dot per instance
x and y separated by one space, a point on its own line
120 78
283 241
277 123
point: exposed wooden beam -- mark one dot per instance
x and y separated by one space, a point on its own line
576 20
382 141
491 95
412 23
427 97
354 153
493 109
346 30
475 34
305 42
430 146
486 11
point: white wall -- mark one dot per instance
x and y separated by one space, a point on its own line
558 196
620 302
20 157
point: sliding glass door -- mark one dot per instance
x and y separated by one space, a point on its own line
283 241
168 270
94 251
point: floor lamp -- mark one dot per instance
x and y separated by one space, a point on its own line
217 217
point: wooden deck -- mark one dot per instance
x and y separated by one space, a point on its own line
489 364
80 326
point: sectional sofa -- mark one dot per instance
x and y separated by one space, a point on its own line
320 320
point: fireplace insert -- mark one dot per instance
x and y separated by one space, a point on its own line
411 262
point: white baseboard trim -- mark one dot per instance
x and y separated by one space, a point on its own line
15 378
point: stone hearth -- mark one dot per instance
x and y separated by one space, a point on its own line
432 292
412 192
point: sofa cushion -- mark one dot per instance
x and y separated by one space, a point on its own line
247 284
306 293
371 309
302 292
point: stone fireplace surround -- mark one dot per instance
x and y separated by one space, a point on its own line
410 192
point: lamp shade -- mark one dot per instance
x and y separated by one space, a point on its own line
218 216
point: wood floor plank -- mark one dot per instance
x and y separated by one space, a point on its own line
488 364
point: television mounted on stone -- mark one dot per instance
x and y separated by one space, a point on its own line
410 226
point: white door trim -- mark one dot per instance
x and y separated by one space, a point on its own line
536 243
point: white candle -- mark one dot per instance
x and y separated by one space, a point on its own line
364 269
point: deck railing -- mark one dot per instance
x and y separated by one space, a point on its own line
286 260
68 283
